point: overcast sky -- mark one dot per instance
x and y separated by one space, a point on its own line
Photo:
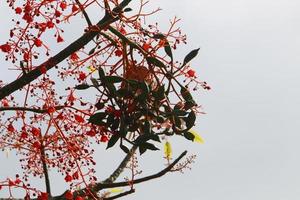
249 56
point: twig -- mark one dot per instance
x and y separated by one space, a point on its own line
36 110
101 186
120 195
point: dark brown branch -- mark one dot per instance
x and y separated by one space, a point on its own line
101 186
53 61
45 170
120 195
84 13
121 167
35 110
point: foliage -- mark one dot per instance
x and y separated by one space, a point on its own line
141 95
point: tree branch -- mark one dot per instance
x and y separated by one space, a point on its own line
53 61
121 167
120 195
35 110
101 186
45 170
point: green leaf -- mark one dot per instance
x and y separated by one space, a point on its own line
124 148
101 73
190 120
189 104
147 127
145 88
110 120
190 56
179 113
92 51
158 36
111 88
127 9
97 118
115 124
155 138
160 93
124 92
123 128
168 50
142 149
177 122
189 136
83 86
99 105
150 146
186 94
156 62
145 146
95 82
113 79
113 140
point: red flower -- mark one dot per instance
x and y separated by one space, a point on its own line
51 109
18 10
43 196
75 175
35 132
74 8
57 13
68 178
43 69
24 135
10 128
82 76
79 119
91 133
5 103
69 195
59 39
74 57
17 181
27 8
103 138
146 46
38 42
79 198
5 48
63 5
71 97
26 56
191 73
118 53
50 24
36 145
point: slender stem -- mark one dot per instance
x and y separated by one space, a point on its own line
120 195
45 169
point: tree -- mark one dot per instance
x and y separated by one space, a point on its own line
140 94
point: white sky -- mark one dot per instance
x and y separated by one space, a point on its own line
249 55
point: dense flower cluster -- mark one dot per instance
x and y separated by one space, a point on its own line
138 88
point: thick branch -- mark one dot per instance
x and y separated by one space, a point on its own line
101 186
53 61
121 167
